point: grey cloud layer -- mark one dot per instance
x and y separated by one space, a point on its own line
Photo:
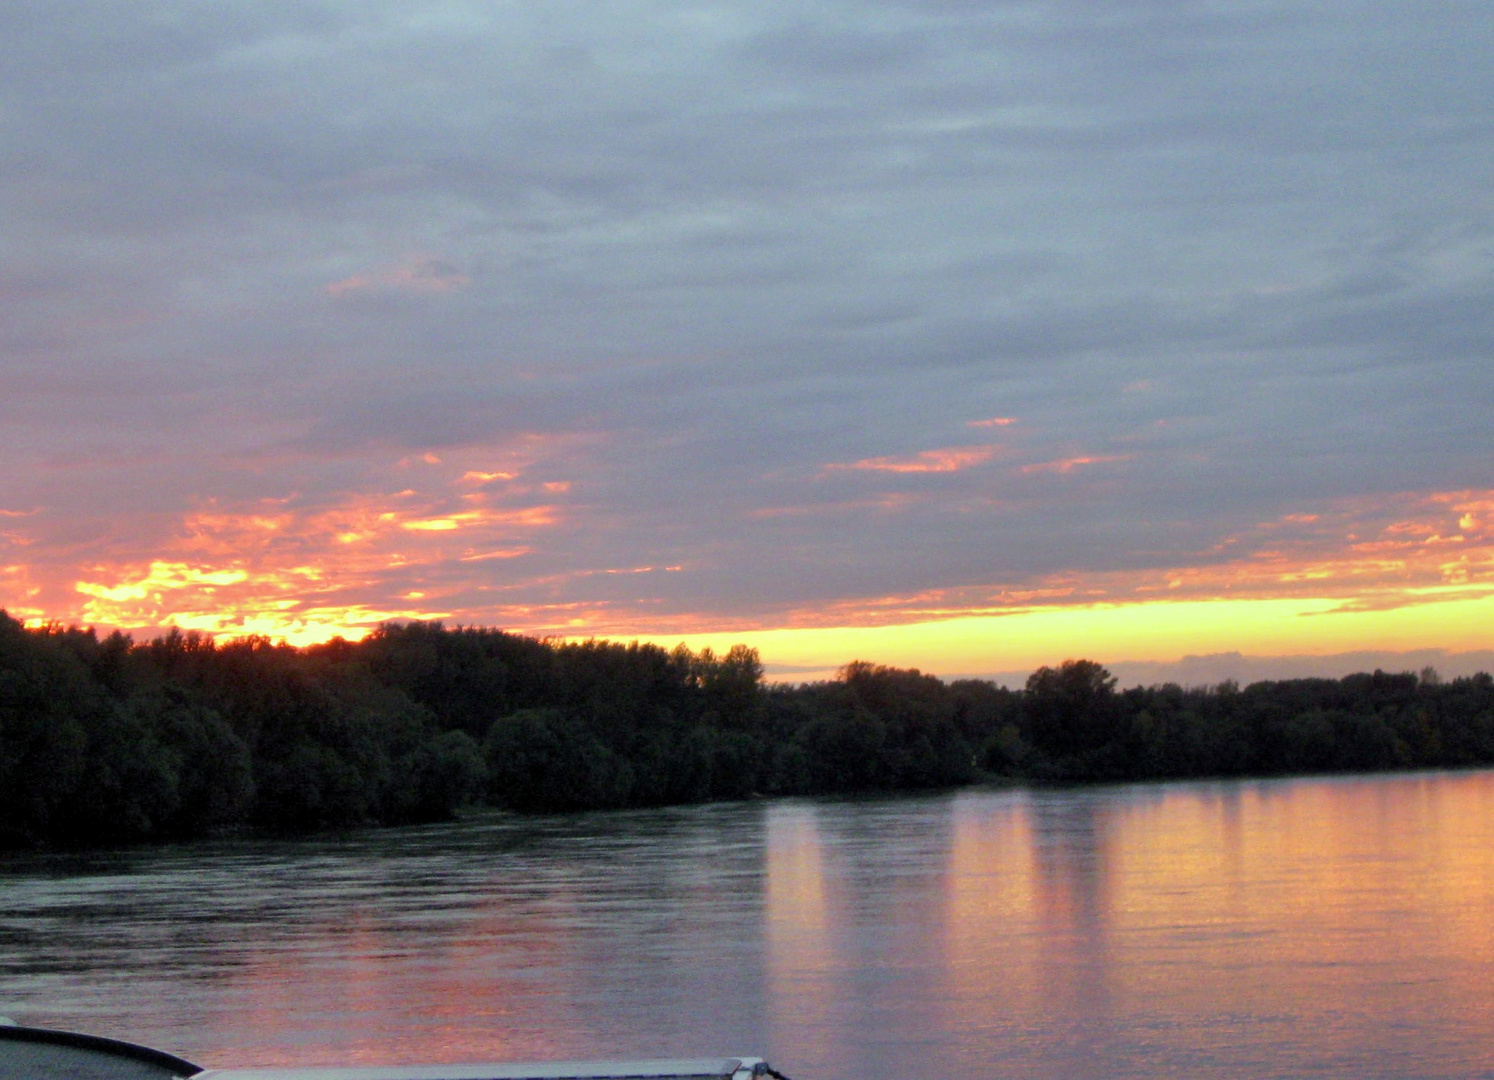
257 249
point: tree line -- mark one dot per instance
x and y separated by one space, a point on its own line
107 741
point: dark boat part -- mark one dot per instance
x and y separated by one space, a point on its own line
28 1053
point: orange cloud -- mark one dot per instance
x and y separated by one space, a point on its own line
1375 552
995 421
307 572
949 459
502 553
17 584
1348 555
160 578
301 570
272 566
528 517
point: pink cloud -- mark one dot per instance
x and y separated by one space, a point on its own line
424 275
948 459
1068 465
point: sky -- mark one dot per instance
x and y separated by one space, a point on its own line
968 335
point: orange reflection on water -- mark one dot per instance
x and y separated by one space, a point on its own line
992 881
800 920
1283 926
1026 931
1323 885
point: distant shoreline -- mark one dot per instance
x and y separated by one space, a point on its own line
105 741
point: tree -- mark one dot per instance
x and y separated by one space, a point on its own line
1072 710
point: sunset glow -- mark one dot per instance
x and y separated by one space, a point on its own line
947 335
1414 571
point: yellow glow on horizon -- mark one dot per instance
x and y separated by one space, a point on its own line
1395 573
1149 630
299 629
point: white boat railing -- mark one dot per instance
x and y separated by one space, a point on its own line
693 1069
28 1053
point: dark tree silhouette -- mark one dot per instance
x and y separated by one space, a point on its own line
106 741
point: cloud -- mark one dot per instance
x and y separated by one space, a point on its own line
422 275
652 268
949 459
1069 464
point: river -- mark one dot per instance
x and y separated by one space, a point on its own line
1338 927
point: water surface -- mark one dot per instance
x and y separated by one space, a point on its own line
1326 927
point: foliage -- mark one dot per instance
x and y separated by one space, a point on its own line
105 741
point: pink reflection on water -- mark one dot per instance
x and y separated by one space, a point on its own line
1341 927
1325 927
800 919
490 982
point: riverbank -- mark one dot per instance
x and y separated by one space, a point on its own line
106 741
